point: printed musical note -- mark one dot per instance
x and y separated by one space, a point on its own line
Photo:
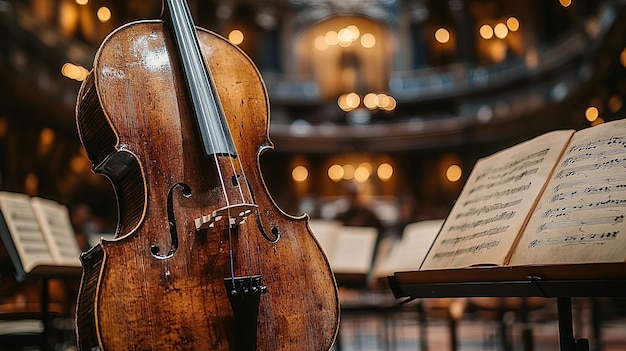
587 181
579 148
561 211
472 250
485 233
501 217
619 141
502 181
488 208
590 156
514 166
568 172
498 194
589 190
580 223
592 145
575 239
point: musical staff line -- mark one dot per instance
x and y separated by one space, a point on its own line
620 141
575 239
561 211
485 233
469 250
499 194
590 156
580 223
587 181
501 217
589 190
616 162
477 211
514 178
494 174
513 164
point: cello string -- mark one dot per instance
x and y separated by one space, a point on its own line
217 107
201 67
199 70
241 182
190 46
224 127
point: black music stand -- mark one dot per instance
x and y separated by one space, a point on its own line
551 281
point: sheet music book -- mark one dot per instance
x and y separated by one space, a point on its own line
409 251
349 249
38 235
559 198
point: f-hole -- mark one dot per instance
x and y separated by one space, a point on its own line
274 230
171 218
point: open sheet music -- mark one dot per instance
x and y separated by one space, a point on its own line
350 250
558 198
408 252
37 234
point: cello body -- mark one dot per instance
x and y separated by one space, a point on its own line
162 284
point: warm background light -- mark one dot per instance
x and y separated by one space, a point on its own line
387 103
486 32
384 171
500 30
348 172
597 121
335 173
31 184
363 172
591 113
300 173
353 100
513 24
343 104
104 14
354 31
46 139
368 40
615 103
442 35
453 173
235 36
75 72
331 37
320 43
370 101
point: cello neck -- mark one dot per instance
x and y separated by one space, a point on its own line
203 96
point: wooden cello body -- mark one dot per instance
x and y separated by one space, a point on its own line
186 272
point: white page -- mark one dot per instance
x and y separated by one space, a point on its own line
54 221
353 250
24 229
581 215
495 203
409 253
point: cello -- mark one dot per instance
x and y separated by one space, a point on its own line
176 118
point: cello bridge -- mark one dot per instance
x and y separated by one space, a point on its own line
235 214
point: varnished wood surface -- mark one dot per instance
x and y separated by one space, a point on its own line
139 132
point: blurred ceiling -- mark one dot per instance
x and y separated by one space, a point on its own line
462 91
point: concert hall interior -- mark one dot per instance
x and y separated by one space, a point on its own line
378 111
